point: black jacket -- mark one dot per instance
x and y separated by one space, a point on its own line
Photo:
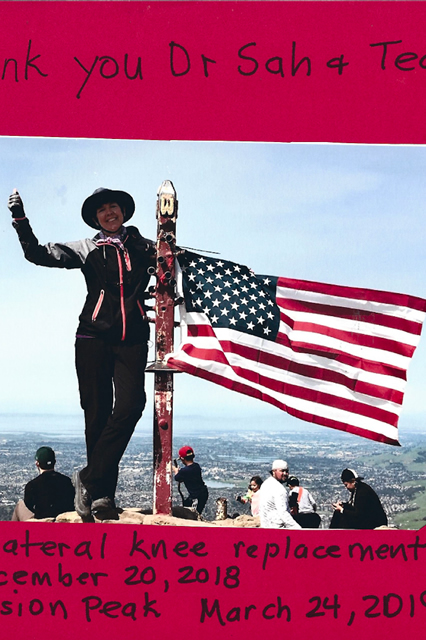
50 494
366 511
192 479
115 279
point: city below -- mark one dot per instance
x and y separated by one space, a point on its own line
229 459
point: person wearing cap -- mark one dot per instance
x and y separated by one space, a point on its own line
112 334
273 500
48 495
302 505
190 475
363 509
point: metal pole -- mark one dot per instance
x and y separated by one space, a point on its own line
167 207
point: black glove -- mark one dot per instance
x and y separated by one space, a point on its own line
16 205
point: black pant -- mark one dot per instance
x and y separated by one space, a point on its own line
201 501
308 520
111 380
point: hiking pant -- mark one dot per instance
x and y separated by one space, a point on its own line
201 501
21 512
308 520
111 380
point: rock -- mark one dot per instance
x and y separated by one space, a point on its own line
182 517
185 513
69 516
247 521
171 521
244 521
125 516
41 520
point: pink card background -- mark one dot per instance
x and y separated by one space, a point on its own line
156 579
365 104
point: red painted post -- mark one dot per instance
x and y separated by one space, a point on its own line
167 207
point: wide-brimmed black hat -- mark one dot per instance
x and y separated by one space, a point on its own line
100 197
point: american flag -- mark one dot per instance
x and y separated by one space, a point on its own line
336 356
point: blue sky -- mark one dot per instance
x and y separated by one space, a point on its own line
346 214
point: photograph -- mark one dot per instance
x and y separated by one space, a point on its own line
212 316
335 232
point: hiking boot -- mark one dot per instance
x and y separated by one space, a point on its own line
82 500
103 504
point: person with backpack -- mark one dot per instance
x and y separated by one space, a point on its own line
302 505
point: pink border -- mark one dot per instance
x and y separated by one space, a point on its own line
363 104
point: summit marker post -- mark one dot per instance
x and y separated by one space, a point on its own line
167 207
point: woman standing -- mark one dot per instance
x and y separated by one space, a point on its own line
112 335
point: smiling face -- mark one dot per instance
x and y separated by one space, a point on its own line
110 217
253 486
280 474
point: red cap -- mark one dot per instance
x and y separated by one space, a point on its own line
186 451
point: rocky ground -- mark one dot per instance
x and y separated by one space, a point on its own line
181 517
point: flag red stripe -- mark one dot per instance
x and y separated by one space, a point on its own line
201 331
255 393
295 391
361 339
335 354
334 424
318 373
205 330
358 315
371 295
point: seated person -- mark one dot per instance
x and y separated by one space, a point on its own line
191 477
363 510
274 511
48 495
302 505
252 495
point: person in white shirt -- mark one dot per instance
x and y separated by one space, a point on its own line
273 500
302 505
